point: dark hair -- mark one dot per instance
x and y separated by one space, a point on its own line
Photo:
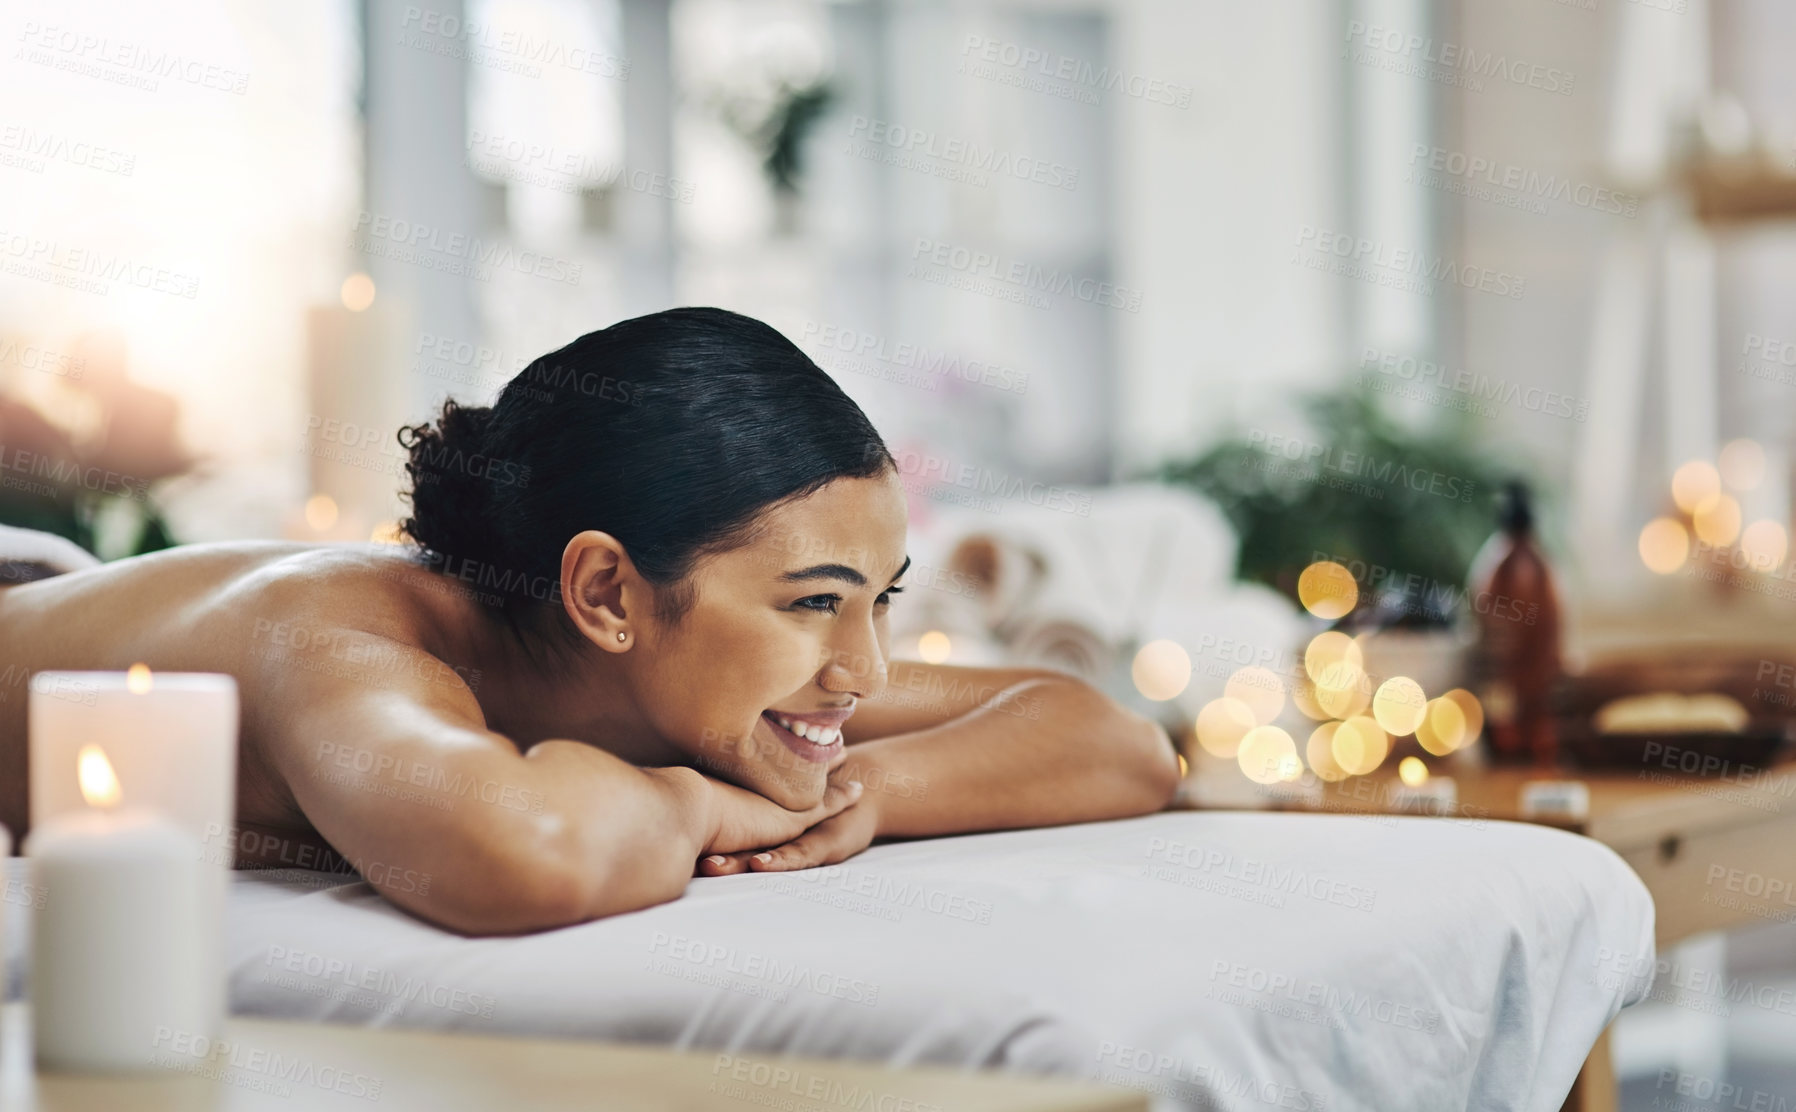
672 432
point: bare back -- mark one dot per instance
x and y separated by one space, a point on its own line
238 608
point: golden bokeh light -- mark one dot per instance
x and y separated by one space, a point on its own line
1664 545
1360 745
138 679
1332 649
1343 690
387 532
1303 697
321 512
1442 729
1412 771
1268 756
1320 752
1260 689
1184 767
933 647
1743 464
1222 724
1695 485
1399 705
1162 669
1718 523
1471 710
357 292
1327 590
1764 544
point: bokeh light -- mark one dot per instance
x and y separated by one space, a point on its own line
1399 705
321 512
1329 649
1664 545
1260 689
1473 712
1327 590
1695 485
1344 691
1412 771
1718 522
1443 728
1320 752
1743 464
357 292
934 646
1360 745
1764 544
1161 670
1221 725
1268 756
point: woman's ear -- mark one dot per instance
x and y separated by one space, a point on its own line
595 570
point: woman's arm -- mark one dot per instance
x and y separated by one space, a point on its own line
393 766
946 750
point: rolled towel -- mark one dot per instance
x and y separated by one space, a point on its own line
27 554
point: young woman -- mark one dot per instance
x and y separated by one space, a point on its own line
642 633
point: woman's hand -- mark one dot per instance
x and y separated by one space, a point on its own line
834 839
743 820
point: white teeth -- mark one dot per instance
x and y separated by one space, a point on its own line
816 735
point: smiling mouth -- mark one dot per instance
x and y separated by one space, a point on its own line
816 743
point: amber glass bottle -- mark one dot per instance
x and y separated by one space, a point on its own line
1516 661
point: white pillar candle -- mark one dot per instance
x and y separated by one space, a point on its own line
117 956
171 740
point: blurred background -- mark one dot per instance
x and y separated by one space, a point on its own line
1244 356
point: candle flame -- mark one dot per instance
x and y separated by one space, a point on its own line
99 784
137 679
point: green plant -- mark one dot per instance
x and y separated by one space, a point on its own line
1360 487
778 128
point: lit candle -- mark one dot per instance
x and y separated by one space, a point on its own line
118 950
171 738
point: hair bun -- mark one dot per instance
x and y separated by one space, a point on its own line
452 499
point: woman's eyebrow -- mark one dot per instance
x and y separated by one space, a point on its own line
837 571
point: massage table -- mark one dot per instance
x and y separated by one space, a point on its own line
1215 960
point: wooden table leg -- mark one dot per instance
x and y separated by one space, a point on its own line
1595 1089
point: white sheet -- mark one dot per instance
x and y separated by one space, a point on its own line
1220 960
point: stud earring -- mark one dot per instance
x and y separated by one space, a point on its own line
620 635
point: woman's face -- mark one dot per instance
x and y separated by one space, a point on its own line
793 626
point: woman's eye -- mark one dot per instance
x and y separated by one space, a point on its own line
828 604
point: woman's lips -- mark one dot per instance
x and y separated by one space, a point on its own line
804 747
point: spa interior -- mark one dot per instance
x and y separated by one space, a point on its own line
1391 399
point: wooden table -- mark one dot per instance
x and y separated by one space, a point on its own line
1701 845
305 1066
